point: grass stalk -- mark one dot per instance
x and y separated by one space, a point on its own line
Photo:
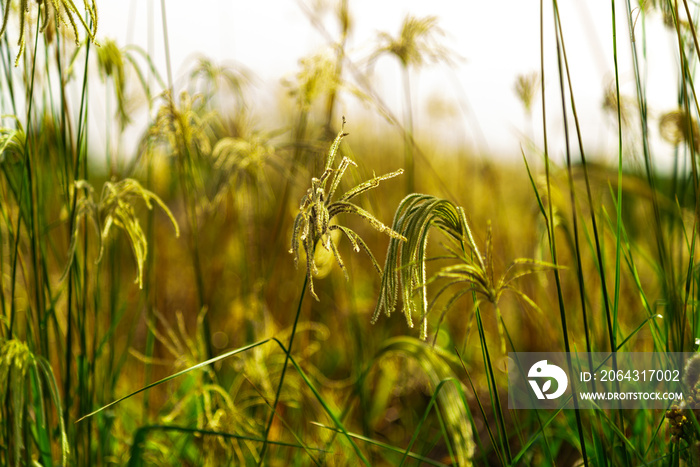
667 273
151 283
408 131
503 440
551 233
288 352
189 201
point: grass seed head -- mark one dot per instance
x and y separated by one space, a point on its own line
416 44
405 270
677 127
526 88
313 224
116 209
63 9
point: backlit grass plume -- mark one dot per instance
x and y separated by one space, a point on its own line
316 77
182 129
210 79
116 208
63 9
112 62
183 125
418 43
317 210
677 127
240 166
526 88
472 271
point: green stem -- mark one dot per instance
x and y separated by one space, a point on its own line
408 140
340 57
151 281
551 229
284 371
188 200
167 45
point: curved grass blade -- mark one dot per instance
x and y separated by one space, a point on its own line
173 376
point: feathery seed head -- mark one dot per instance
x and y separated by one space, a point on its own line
318 208
416 44
116 208
526 88
405 270
183 125
61 8
677 127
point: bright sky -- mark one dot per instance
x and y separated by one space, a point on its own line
497 41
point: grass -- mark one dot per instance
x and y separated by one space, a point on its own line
183 335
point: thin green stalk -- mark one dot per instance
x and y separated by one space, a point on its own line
13 269
618 245
687 81
429 446
493 391
263 451
30 223
431 404
7 68
611 315
572 192
483 413
32 182
291 430
551 233
151 283
84 394
173 376
340 58
189 201
193 227
323 403
687 75
666 270
74 276
4 325
408 132
166 43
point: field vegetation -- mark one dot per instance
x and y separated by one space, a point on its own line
235 293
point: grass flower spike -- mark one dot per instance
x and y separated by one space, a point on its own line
62 9
471 271
317 210
116 208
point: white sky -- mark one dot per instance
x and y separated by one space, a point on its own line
497 40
